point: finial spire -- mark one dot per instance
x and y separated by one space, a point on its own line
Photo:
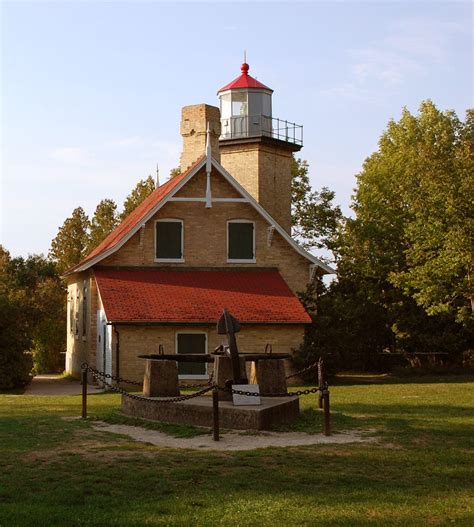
157 176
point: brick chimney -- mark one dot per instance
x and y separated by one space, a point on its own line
194 121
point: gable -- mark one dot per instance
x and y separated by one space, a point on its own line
196 186
139 220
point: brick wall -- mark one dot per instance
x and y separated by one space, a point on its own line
264 170
81 347
205 235
136 341
194 121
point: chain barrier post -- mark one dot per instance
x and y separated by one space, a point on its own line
84 392
320 382
327 414
215 414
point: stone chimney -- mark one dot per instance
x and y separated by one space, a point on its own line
194 121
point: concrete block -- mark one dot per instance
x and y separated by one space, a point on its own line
161 378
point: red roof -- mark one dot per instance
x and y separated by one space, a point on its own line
135 217
189 296
245 81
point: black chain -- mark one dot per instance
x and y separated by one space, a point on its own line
285 394
100 377
108 376
198 385
304 370
103 375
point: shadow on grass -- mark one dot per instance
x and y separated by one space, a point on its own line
381 379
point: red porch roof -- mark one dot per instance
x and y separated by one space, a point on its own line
188 296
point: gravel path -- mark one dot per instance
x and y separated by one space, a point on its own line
56 385
235 440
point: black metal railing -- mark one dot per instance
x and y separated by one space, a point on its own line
242 126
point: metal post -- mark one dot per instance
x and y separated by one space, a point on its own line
327 415
84 393
320 383
215 415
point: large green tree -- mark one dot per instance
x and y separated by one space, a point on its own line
37 288
141 191
404 261
103 222
70 244
436 184
315 219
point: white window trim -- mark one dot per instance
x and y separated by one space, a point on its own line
188 332
170 260
239 260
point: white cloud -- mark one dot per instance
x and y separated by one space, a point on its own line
405 52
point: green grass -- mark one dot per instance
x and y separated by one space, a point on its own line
64 473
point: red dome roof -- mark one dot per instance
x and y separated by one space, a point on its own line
244 80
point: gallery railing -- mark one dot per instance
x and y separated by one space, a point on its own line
242 126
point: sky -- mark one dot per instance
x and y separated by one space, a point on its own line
91 92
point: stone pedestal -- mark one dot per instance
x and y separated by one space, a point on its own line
161 378
223 372
272 412
269 375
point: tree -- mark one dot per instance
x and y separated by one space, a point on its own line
141 191
408 248
38 290
314 217
437 185
404 261
175 172
70 244
103 222
15 364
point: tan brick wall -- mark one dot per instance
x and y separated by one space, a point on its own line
136 341
194 121
205 241
82 347
265 172
196 187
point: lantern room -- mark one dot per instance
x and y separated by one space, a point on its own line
246 111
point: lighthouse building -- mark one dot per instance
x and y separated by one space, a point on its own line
216 236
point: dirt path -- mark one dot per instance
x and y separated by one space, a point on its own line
235 440
56 385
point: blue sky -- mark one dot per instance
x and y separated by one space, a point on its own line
92 92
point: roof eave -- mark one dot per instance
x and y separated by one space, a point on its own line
88 264
326 268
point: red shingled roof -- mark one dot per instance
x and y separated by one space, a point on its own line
260 296
136 217
245 81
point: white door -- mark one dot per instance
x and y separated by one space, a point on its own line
104 344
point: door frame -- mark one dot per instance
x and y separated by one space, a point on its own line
104 343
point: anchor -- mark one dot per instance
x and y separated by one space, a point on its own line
228 325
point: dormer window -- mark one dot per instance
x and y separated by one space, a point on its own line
240 241
169 241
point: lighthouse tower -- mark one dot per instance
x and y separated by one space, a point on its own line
255 147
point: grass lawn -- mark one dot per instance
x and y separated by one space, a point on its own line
419 473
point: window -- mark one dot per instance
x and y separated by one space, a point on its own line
169 241
241 241
76 313
84 310
192 343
